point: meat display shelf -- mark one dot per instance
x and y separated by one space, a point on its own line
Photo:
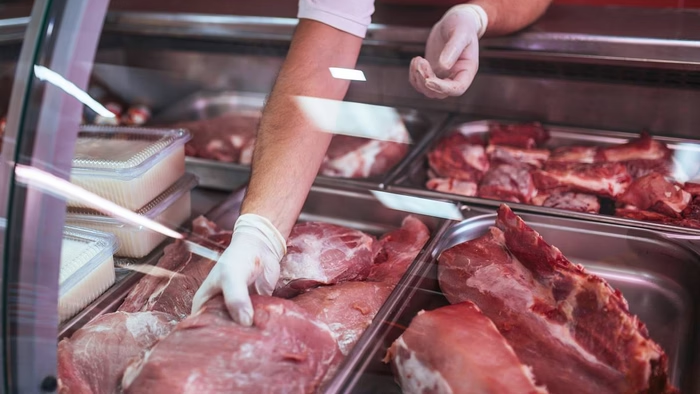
223 176
657 276
412 177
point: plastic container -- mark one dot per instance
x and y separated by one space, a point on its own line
171 208
87 268
129 166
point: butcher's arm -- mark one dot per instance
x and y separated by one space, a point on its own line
508 16
289 150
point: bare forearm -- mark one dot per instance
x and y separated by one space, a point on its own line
289 149
508 16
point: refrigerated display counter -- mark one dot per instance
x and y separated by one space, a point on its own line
103 92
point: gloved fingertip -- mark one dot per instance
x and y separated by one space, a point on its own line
244 317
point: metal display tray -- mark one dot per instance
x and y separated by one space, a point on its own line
413 177
657 276
421 125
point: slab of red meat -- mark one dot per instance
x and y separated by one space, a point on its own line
94 359
460 157
285 351
574 154
506 182
641 156
570 326
322 253
570 201
649 216
456 349
221 138
398 249
657 193
347 308
602 179
173 294
517 156
519 135
454 186
692 188
692 211
354 157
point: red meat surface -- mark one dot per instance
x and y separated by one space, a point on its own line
353 157
570 201
657 193
519 135
641 156
460 157
398 249
602 179
506 182
574 154
222 138
516 156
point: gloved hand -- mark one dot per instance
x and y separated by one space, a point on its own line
250 263
452 53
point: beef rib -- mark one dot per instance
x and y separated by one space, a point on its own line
602 179
570 201
657 193
574 154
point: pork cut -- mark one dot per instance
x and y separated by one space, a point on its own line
460 157
454 186
641 156
574 154
570 201
516 156
95 357
692 211
518 135
354 157
456 349
630 212
656 192
398 249
692 188
222 138
570 326
323 253
602 179
285 351
508 183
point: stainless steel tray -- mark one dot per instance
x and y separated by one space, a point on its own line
657 276
228 176
412 178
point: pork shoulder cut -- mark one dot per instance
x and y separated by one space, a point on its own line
656 192
602 179
452 185
398 249
460 157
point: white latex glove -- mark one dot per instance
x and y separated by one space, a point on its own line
452 53
250 263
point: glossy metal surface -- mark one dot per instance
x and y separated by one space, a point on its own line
421 125
658 278
686 156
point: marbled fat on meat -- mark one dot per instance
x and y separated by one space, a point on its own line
574 154
508 183
570 201
454 186
518 135
460 157
354 157
516 156
322 253
570 326
456 349
602 179
95 357
285 351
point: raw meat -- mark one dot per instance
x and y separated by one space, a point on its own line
398 249
456 349
642 156
322 253
454 186
94 359
570 201
692 188
603 179
516 156
460 157
347 308
354 157
574 154
692 211
222 138
649 216
657 193
522 135
508 183
570 326
286 350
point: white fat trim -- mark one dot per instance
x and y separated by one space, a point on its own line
414 376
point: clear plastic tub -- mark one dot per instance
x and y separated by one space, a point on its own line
129 166
87 268
171 208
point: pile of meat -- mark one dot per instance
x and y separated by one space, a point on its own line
334 280
524 319
635 180
231 138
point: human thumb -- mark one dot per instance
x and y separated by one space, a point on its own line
453 48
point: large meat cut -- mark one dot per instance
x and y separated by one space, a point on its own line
456 349
641 156
518 135
570 201
227 138
94 358
354 157
573 329
398 249
323 254
602 179
454 186
508 183
534 158
286 350
656 192
460 157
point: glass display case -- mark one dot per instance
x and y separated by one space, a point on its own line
127 149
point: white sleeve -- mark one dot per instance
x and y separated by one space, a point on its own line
351 16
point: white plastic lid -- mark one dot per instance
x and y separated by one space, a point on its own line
82 251
123 152
154 208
